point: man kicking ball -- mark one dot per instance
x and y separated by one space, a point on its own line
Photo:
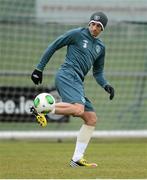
84 50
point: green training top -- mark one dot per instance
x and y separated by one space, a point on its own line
83 52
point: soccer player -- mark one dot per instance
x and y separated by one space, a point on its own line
84 50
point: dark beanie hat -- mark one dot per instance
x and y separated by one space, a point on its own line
99 17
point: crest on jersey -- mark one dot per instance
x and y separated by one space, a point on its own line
98 49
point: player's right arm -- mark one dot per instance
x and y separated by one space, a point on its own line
61 41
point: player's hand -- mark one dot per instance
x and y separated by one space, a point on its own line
109 89
36 76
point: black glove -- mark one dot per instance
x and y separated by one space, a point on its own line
36 76
110 90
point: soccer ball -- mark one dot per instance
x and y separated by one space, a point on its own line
44 103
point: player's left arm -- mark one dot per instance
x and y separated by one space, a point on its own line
98 73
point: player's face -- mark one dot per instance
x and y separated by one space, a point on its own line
95 29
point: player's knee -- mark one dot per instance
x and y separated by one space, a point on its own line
79 110
92 122
90 118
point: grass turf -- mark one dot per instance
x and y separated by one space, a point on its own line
116 158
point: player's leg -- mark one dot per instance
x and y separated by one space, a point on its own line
75 109
84 136
62 108
71 90
83 139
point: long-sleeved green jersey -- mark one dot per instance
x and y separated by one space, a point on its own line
83 52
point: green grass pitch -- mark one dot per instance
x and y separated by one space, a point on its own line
116 158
